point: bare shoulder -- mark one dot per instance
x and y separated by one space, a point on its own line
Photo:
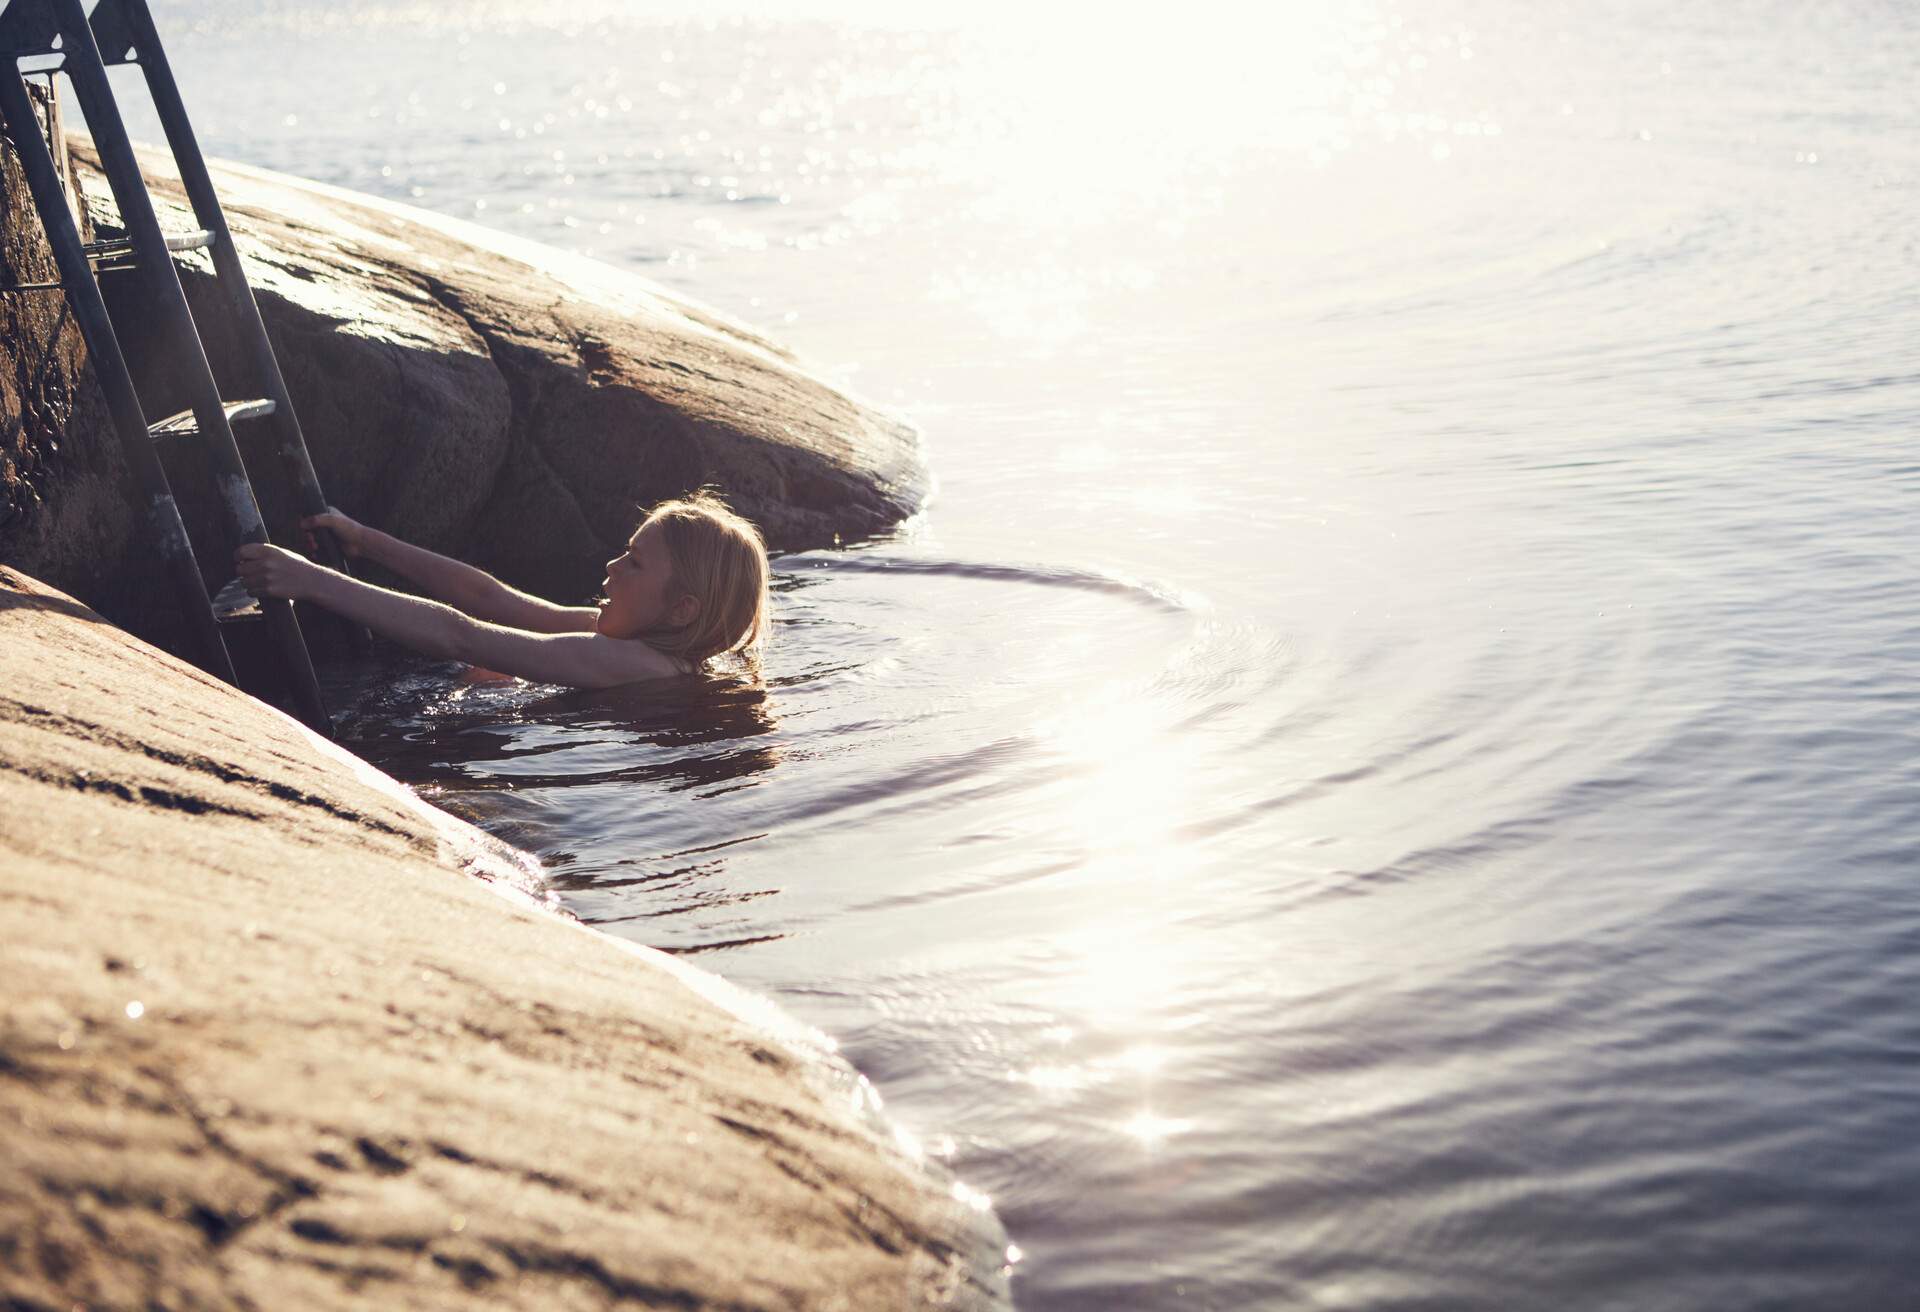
639 660
594 660
578 660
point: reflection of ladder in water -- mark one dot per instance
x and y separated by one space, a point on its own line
56 35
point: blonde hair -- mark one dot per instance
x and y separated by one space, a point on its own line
717 558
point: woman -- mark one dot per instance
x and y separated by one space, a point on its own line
691 586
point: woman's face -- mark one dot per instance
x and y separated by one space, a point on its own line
638 587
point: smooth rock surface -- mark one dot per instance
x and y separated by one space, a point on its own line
263 1044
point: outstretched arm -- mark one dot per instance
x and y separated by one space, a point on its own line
460 585
580 660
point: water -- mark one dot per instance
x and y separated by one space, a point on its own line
1387 775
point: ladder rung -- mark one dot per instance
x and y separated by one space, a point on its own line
233 604
184 424
176 241
114 248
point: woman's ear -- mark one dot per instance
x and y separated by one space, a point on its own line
683 611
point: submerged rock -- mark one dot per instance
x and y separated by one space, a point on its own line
480 394
263 1044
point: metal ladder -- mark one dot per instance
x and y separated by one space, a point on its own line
58 36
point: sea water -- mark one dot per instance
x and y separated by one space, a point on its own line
1387 775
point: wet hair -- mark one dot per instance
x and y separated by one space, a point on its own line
718 558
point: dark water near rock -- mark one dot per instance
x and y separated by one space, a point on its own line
1387 777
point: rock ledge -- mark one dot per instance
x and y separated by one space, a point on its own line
263 1045
480 394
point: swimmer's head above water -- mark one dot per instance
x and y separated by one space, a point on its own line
692 582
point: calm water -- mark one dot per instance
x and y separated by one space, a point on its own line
1387 776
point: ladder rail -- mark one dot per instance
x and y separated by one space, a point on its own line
132 20
177 335
110 368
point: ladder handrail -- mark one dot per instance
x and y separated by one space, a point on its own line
110 368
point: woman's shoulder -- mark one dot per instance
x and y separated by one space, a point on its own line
647 661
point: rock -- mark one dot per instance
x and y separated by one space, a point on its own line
262 1044
64 503
480 394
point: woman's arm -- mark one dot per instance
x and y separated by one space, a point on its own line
580 660
472 590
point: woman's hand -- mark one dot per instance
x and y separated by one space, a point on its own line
270 571
350 533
